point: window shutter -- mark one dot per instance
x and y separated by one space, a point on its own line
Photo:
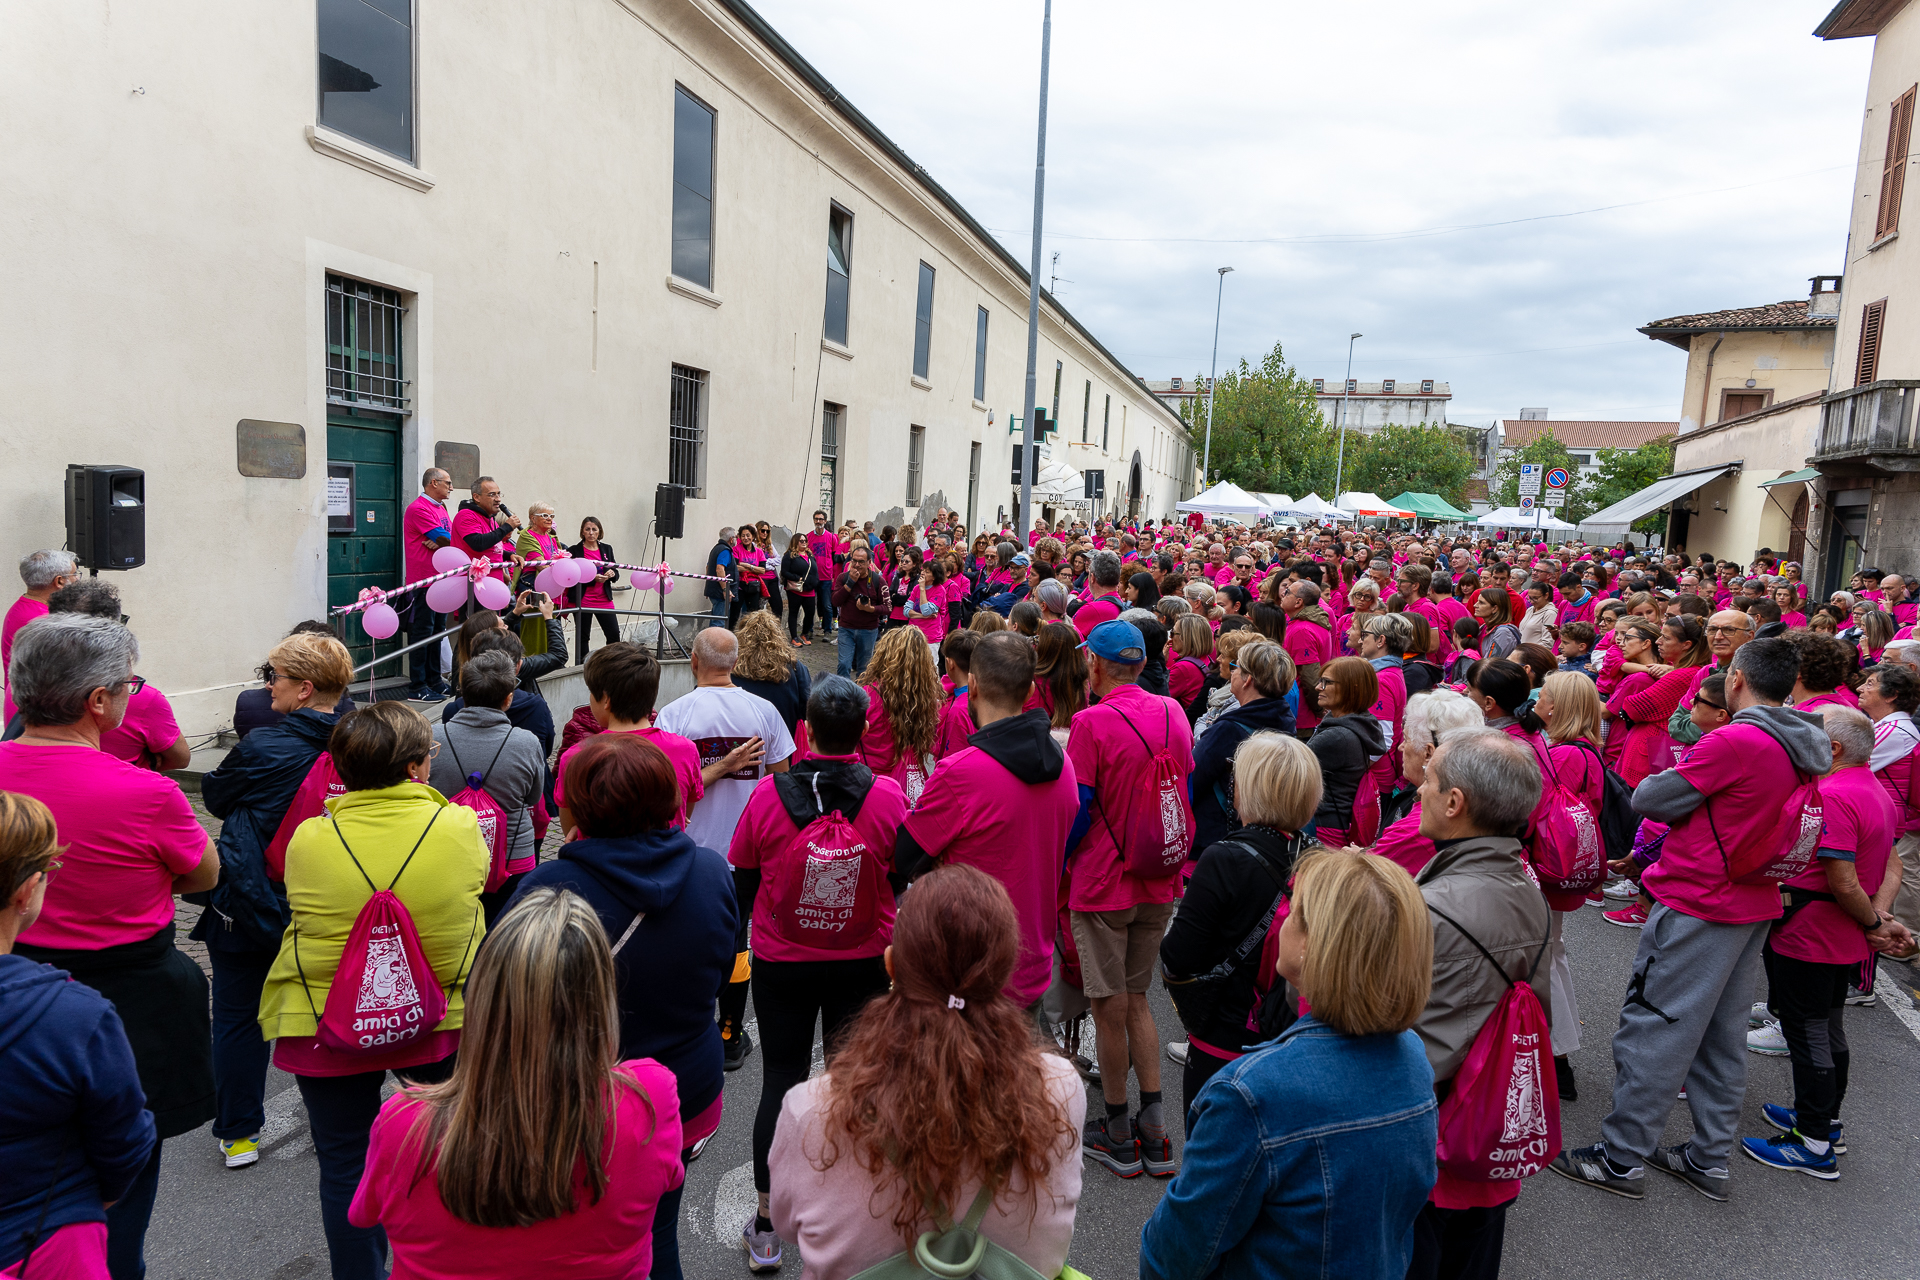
1893 169
1867 366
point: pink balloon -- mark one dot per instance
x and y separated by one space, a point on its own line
666 586
449 558
491 593
545 583
447 595
583 570
644 581
380 621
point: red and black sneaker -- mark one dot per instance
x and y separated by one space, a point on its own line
1121 1155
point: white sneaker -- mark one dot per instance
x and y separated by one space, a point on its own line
1769 1040
1177 1051
1621 890
1760 1015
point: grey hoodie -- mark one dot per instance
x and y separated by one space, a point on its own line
1667 797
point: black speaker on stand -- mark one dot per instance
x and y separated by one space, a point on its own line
107 516
669 521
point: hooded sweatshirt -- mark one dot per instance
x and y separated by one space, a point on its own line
1345 746
1728 789
74 1128
676 959
1212 779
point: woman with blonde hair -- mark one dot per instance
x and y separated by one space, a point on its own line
904 707
939 1097
1192 644
1570 707
1330 1133
542 1153
769 668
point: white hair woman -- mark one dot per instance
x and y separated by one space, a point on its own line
1428 716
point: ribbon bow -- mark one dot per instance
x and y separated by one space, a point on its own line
479 568
372 596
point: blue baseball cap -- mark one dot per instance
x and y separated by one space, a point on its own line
1117 641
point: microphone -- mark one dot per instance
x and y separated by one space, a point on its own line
506 510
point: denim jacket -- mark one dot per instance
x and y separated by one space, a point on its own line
1310 1157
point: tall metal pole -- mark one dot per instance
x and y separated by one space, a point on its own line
1033 284
1346 399
1206 461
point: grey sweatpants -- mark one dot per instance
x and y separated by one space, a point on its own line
1684 1023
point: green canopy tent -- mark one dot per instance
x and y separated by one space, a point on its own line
1430 506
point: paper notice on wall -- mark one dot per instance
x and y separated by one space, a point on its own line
339 496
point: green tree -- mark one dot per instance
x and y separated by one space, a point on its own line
1399 459
1546 450
1268 435
1625 472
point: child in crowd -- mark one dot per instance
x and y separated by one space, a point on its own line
1576 648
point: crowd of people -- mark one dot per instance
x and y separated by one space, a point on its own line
1315 782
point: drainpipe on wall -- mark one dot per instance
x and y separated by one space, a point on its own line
1706 387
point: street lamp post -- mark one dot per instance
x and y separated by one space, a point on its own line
1206 461
1033 284
1346 399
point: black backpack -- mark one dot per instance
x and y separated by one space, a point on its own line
1618 821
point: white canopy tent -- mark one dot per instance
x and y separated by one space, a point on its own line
1361 503
1314 507
1059 485
1514 518
1226 499
1276 502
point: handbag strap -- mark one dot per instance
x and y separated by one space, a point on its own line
1497 966
638 916
46 1203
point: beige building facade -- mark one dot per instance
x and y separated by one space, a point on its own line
583 246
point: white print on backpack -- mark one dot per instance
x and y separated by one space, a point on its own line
1173 823
829 887
1525 1125
387 1010
916 783
489 820
1796 860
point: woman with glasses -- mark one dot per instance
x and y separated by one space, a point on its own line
131 843
594 599
1348 740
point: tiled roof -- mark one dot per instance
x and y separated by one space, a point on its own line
1791 314
1585 435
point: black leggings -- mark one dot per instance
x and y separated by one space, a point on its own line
789 997
795 603
583 626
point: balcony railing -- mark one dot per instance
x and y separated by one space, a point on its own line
1873 426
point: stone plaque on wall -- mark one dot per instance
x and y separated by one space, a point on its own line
461 462
272 450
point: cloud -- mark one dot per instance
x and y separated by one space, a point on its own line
1347 134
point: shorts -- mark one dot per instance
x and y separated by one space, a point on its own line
1118 949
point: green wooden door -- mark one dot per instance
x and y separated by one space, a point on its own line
369 555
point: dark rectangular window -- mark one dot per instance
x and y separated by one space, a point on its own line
980 358
839 272
1387 386
923 323
1058 368
366 72
916 445
1353 385
687 430
1086 413
830 462
1426 386
1319 385
1866 367
1106 421
692 189
363 345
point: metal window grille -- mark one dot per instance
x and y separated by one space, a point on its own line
916 443
687 430
364 365
830 462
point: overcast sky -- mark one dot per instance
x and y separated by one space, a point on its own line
1327 152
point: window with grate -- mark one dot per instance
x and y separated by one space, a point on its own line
839 272
1867 367
687 430
366 71
923 323
692 189
1893 169
364 332
830 461
916 445
980 357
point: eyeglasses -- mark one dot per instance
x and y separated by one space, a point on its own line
132 685
1726 631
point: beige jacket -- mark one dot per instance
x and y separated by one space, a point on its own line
1480 883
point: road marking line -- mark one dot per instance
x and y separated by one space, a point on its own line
1899 1000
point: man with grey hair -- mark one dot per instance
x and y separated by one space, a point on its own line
1103 578
43 573
1834 921
720 575
1480 788
130 843
424 529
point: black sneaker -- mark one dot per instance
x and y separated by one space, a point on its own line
1121 1155
735 1045
1588 1165
1156 1150
1711 1183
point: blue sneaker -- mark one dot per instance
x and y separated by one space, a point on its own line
1789 1151
1783 1118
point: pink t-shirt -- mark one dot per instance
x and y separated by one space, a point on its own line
595 594
1860 824
933 626
1840 697
612 1237
149 728
956 726
1107 755
467 523
680 753
1745 776
880 754
821 545
1307 643
19 614
423 515
1390 709
977 813
1403 844
1094 612
128 832
765 839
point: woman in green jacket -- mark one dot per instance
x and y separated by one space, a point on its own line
389 831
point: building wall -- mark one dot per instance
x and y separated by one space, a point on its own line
1372 413
1789 363
1736 516
175 243
1883 272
